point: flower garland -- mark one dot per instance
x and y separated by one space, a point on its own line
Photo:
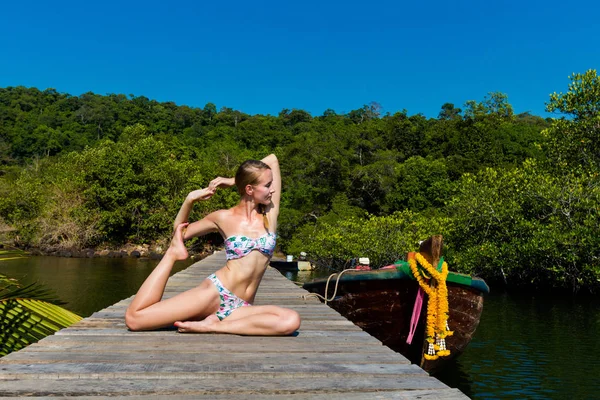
437 304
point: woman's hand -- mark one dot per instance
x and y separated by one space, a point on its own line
208 192
221 182
200 194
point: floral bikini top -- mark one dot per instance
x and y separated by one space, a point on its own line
238 246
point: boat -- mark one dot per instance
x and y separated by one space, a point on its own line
382 303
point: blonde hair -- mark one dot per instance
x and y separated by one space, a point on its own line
249 173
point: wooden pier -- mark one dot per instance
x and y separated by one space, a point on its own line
329 357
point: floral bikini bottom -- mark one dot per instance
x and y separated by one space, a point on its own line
228 300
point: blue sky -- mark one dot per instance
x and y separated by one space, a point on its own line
260 57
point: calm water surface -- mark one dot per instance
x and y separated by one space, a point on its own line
532 347
85 284
529 347
526 346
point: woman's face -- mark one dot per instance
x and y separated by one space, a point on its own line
262 191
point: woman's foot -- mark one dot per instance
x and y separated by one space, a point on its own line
207 325
177 249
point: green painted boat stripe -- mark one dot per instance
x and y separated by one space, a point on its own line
402 271
480 284
454 277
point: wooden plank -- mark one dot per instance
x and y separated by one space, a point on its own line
247 386
446 394
141 355
307 313
293 350
173 340
439 394
122 368
307 325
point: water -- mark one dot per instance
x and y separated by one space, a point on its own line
533 347
526 346
85 284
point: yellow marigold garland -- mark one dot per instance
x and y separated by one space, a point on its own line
437 305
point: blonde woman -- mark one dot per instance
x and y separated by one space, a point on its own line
222 303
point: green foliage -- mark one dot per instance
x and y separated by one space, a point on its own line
575 144
11 254
22 198
317 168
449 112
334 242
495 104
420 185
89 170
528 227
135 187
111 193
28 314
583 98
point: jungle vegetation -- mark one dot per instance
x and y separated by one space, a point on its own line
516 196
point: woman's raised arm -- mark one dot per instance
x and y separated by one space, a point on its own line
199 195
188 204
273 211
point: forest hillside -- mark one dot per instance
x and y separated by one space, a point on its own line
516 196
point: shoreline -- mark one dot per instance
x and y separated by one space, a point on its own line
127 251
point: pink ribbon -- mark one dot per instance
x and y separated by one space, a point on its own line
414 320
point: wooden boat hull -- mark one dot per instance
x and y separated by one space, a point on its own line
381 303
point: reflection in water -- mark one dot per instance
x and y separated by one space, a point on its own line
85 284
532 347
455 373
529 347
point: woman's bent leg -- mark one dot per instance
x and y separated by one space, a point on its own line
254 320
147 311
194 304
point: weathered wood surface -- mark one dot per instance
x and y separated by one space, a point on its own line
328 358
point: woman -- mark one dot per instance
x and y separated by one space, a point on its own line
221 303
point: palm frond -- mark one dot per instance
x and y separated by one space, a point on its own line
25 321
11 252
11 258
29 313
34 290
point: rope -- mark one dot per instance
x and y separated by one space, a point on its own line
337 281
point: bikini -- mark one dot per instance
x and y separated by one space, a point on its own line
228 300
239 246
